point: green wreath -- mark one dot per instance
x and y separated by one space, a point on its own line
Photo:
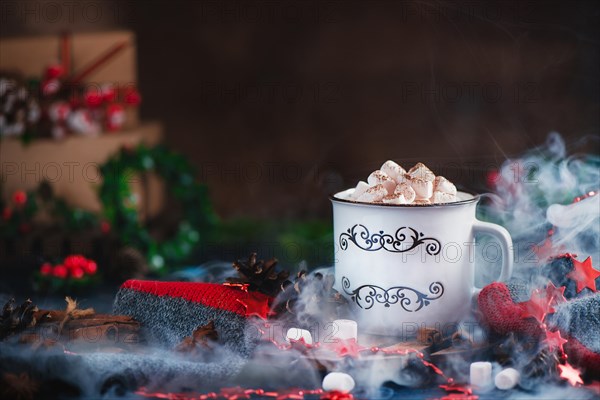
119 202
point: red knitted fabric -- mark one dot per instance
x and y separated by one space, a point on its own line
582 356
209 294
502 315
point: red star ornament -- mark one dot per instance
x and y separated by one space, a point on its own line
584 274
335 395
457 387
554 295
537 306
573 375
346 347
555 341
460 396
256 305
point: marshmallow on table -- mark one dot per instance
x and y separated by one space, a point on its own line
507 379
345 329
297 334
379 177
361 187
394 171
481 375
373 194
407 191
338 381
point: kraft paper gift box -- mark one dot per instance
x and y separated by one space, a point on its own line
69 164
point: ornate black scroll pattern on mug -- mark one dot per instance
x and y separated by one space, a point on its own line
405 239
410 300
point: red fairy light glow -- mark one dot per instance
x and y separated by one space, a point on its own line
457 387
236 393
335 395
461 396
346 347
242 286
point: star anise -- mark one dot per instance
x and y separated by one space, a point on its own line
199 341
259 275
15 319
307 294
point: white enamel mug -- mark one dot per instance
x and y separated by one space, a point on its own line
405 267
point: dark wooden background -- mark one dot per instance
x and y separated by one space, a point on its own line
279 103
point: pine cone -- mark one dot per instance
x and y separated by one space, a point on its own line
542 367
316 292
16 319
260 275
129 263
504 350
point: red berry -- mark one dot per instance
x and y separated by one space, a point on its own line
133 97
60 271
92 98
75 261
68 262
50 87
77 273
108 93
6 213
492 177
104 227
46 269
20 197
24 227
90 267
54 71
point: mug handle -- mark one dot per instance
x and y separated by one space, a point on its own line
506 245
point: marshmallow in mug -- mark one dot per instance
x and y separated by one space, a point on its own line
374 194
394 171
391 184
379 177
